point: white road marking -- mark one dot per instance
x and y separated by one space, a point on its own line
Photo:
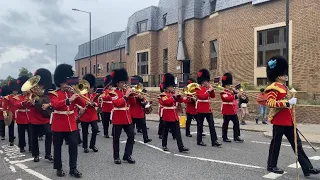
21 161
273 175
19 179
154 147
284 144
294 165
5 158
219 161
315 158
12 169
32 172
1 151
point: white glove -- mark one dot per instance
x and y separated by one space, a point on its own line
293 101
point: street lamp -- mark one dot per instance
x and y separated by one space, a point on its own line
56 48
287 37
89 34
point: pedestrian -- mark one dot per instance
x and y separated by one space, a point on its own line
243 107
262 101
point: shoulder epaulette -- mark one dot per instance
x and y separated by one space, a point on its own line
16 97
162 94
6 97
274 87
53 92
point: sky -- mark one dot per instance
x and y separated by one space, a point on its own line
26 26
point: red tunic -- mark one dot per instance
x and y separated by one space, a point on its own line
203 104
190 105
169 110
10 105
136 108
120 114
229 104
276 98
63 118
106 103
90 114
23 110
1 108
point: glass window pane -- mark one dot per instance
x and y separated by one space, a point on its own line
273 36
270 54
260 59
144 69
165 67
262 81
260 38
285 52
213 63
285 34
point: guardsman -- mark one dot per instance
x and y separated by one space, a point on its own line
2 125
204 94
88 116
22 116
281 116
229 109
191 110
137 111
169 114
14 90
64 125
160 127
106 105
120 115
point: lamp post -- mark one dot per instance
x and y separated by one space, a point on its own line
89 34
56 49
287 37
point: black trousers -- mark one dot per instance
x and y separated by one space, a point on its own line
236 126
72 139
188 123
288 131
22 129
85 129
117 129
37 129
160 127
175 129
11 130
209 117
105 122
141 124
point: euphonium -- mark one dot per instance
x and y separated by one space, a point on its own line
32 87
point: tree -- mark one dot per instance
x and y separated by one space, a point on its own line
5 81
25 72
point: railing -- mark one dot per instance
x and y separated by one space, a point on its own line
154 80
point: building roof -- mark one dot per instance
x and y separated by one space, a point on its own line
154 16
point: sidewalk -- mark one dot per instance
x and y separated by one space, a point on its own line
310 131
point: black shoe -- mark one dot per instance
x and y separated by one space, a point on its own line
67 143
203 135
106 136
275 170
117 161
3 138
139 131
80 142
312 171
22 150
30 150
86 150
216 144
160 136
60 173
11 144
183 149
94 148
147 140
264 122
173 138
227 140
189 135
49 157
201 144
129 159
75 173
36 159
238 139
165 148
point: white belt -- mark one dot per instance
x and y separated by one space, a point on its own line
230 103
108 102
1 109
60 112
118 109
164 107
199 100
21 110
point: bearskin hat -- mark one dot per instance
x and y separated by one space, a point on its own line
226 79
21 80
168 80
91 79
107 80
277 66
139 78
190 80
13 85
46 78
62 73
5 90
203 75
119 75
53 87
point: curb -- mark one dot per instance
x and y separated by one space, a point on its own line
265 134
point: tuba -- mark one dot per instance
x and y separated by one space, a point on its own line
32 86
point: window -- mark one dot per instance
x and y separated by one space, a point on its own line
213 55
142 65
213 5
164 20
82 71
165 60
262 81
107 69
271 42
85 70
142 26
94 69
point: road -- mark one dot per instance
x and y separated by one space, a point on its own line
238 161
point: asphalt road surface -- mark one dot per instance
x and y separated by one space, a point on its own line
238 161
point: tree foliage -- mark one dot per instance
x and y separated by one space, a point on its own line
22 72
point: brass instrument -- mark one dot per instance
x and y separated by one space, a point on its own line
8 115
31 86
81 89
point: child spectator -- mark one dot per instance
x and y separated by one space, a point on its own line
262 101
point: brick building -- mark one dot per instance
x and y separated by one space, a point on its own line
236 36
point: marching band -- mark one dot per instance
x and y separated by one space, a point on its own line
39 108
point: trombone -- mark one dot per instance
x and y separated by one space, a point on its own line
81 89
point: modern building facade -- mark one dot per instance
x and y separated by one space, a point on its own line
237 36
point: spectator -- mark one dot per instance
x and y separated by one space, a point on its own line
262 101
243 107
